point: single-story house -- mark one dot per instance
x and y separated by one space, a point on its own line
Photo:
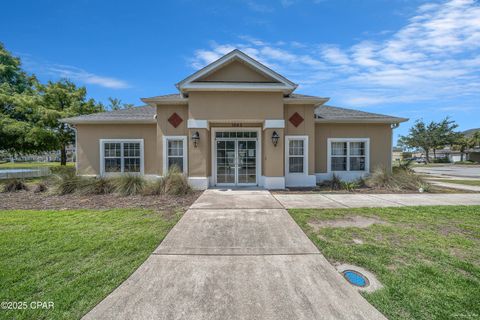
236 122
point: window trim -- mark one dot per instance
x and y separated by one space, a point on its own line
305 155
348 140
165 152
121 141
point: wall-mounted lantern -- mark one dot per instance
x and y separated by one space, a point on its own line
275 138
195 138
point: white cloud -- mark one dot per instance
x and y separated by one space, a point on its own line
81 75
435 55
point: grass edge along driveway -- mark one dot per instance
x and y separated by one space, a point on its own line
428 258
73 258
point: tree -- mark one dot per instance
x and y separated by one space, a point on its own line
63 99
430 137
116 104
418 137
476 139
19 100
443 134
461 144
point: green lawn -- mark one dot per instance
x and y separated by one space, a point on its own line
466 182
73 258
25 165
428 258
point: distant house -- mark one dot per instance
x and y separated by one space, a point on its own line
236 122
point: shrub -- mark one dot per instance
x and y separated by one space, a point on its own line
175 182
40 187
14 185
97 185
335 183
349 186
399 179
404 164
67 183
129 184
155 188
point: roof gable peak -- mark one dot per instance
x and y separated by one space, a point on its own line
278 82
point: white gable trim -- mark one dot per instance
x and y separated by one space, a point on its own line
236 54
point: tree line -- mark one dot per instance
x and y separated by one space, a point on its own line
30 111
437 135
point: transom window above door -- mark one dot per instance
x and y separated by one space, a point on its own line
121 156
236 134
348 154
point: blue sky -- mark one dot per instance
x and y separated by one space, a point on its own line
410 58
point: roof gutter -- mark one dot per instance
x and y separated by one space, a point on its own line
112 121
315 101
388 121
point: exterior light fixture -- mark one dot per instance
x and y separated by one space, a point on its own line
195 138
275 138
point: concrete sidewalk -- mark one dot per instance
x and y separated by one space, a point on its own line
250 261
316 200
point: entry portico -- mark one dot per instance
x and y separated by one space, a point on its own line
236 122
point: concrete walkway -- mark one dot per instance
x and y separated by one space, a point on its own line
235 255
316 200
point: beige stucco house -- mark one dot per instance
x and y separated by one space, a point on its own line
236 122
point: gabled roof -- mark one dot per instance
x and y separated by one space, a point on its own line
280 83
336 114
142 114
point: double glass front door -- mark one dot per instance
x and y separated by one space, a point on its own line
236 161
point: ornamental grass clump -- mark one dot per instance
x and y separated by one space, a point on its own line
400 179
173 183
67 183
14 185
129 184
176 183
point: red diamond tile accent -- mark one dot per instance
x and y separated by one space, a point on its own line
175 120
296 119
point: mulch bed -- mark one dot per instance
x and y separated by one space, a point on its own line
26 200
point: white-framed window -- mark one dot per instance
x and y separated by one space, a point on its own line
350 154
175 153
121 156
296 154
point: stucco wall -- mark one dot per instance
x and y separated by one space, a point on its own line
230 106
306 128
380 142
165 128
88 144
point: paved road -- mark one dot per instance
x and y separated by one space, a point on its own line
235 255
451 171
316 200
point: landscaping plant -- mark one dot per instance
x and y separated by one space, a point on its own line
175 182
129 184
397 180
14 185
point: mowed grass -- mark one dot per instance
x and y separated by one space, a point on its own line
466 182
427 258
73 258
28 165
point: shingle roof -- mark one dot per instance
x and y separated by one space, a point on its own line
145 114
134 114
167 96
329 113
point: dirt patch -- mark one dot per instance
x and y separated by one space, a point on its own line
24 200
347 222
